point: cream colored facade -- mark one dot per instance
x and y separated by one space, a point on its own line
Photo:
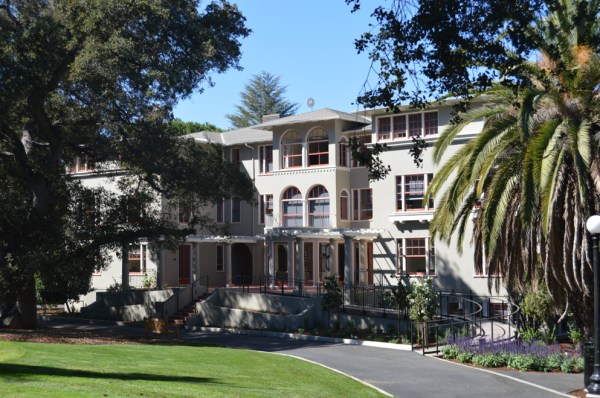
324 216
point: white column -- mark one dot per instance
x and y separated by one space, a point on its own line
271 262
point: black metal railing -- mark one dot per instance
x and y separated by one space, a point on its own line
290 286
183 297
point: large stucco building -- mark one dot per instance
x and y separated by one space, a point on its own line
318 213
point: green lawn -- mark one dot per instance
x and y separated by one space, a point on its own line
64 370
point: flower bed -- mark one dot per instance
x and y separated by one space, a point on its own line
520 355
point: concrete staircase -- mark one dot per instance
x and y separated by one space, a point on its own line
183 314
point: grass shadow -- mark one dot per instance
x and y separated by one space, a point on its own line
17 371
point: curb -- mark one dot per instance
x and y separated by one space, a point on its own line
303 337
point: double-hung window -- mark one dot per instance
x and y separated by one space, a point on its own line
362 204
291 150
265 159
416 257
291 204
220 216
406 126
318 207
266 208
137 258
318 148
410 192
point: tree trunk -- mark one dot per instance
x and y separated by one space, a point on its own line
24 313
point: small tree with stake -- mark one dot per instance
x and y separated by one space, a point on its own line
398 297
332 299
423 304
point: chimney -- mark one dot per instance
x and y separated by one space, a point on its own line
268 118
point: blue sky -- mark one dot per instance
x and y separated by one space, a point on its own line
309 44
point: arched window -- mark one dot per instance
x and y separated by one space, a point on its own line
291 150
343 152
291 203
318 148
318 207
344 202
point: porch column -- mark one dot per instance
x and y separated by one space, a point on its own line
125 268
271 262
157 257
227 256
362 263
290 262
332 257
348 254
300 265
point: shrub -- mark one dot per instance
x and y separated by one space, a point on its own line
521 362
450 351
464 356
488 360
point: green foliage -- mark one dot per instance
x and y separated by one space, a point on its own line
449 351
575 334
263 95
530 334
332 298
537 306
179 127
97 80
423 300
488 360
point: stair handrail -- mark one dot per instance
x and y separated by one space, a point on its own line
193 290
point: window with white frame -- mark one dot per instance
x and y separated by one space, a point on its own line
406 126
318 207
137 258
362 204
220 258
220 216
384 128
416 257
410 192
291 150
236 211
318 148
291 204
344 202
343 152
265 159
266 208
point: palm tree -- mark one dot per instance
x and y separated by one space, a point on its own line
533 174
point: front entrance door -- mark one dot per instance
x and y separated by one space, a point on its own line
308 263
184 264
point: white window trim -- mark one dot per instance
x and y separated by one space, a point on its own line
360 204
407 124
401 257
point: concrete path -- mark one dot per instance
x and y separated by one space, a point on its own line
400 373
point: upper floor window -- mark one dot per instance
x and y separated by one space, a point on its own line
266 208
265 159
343 152
362 204
410 192
416 257
291 150
318 148
236 211
318 207
397 127
291 204
344 205
384 128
